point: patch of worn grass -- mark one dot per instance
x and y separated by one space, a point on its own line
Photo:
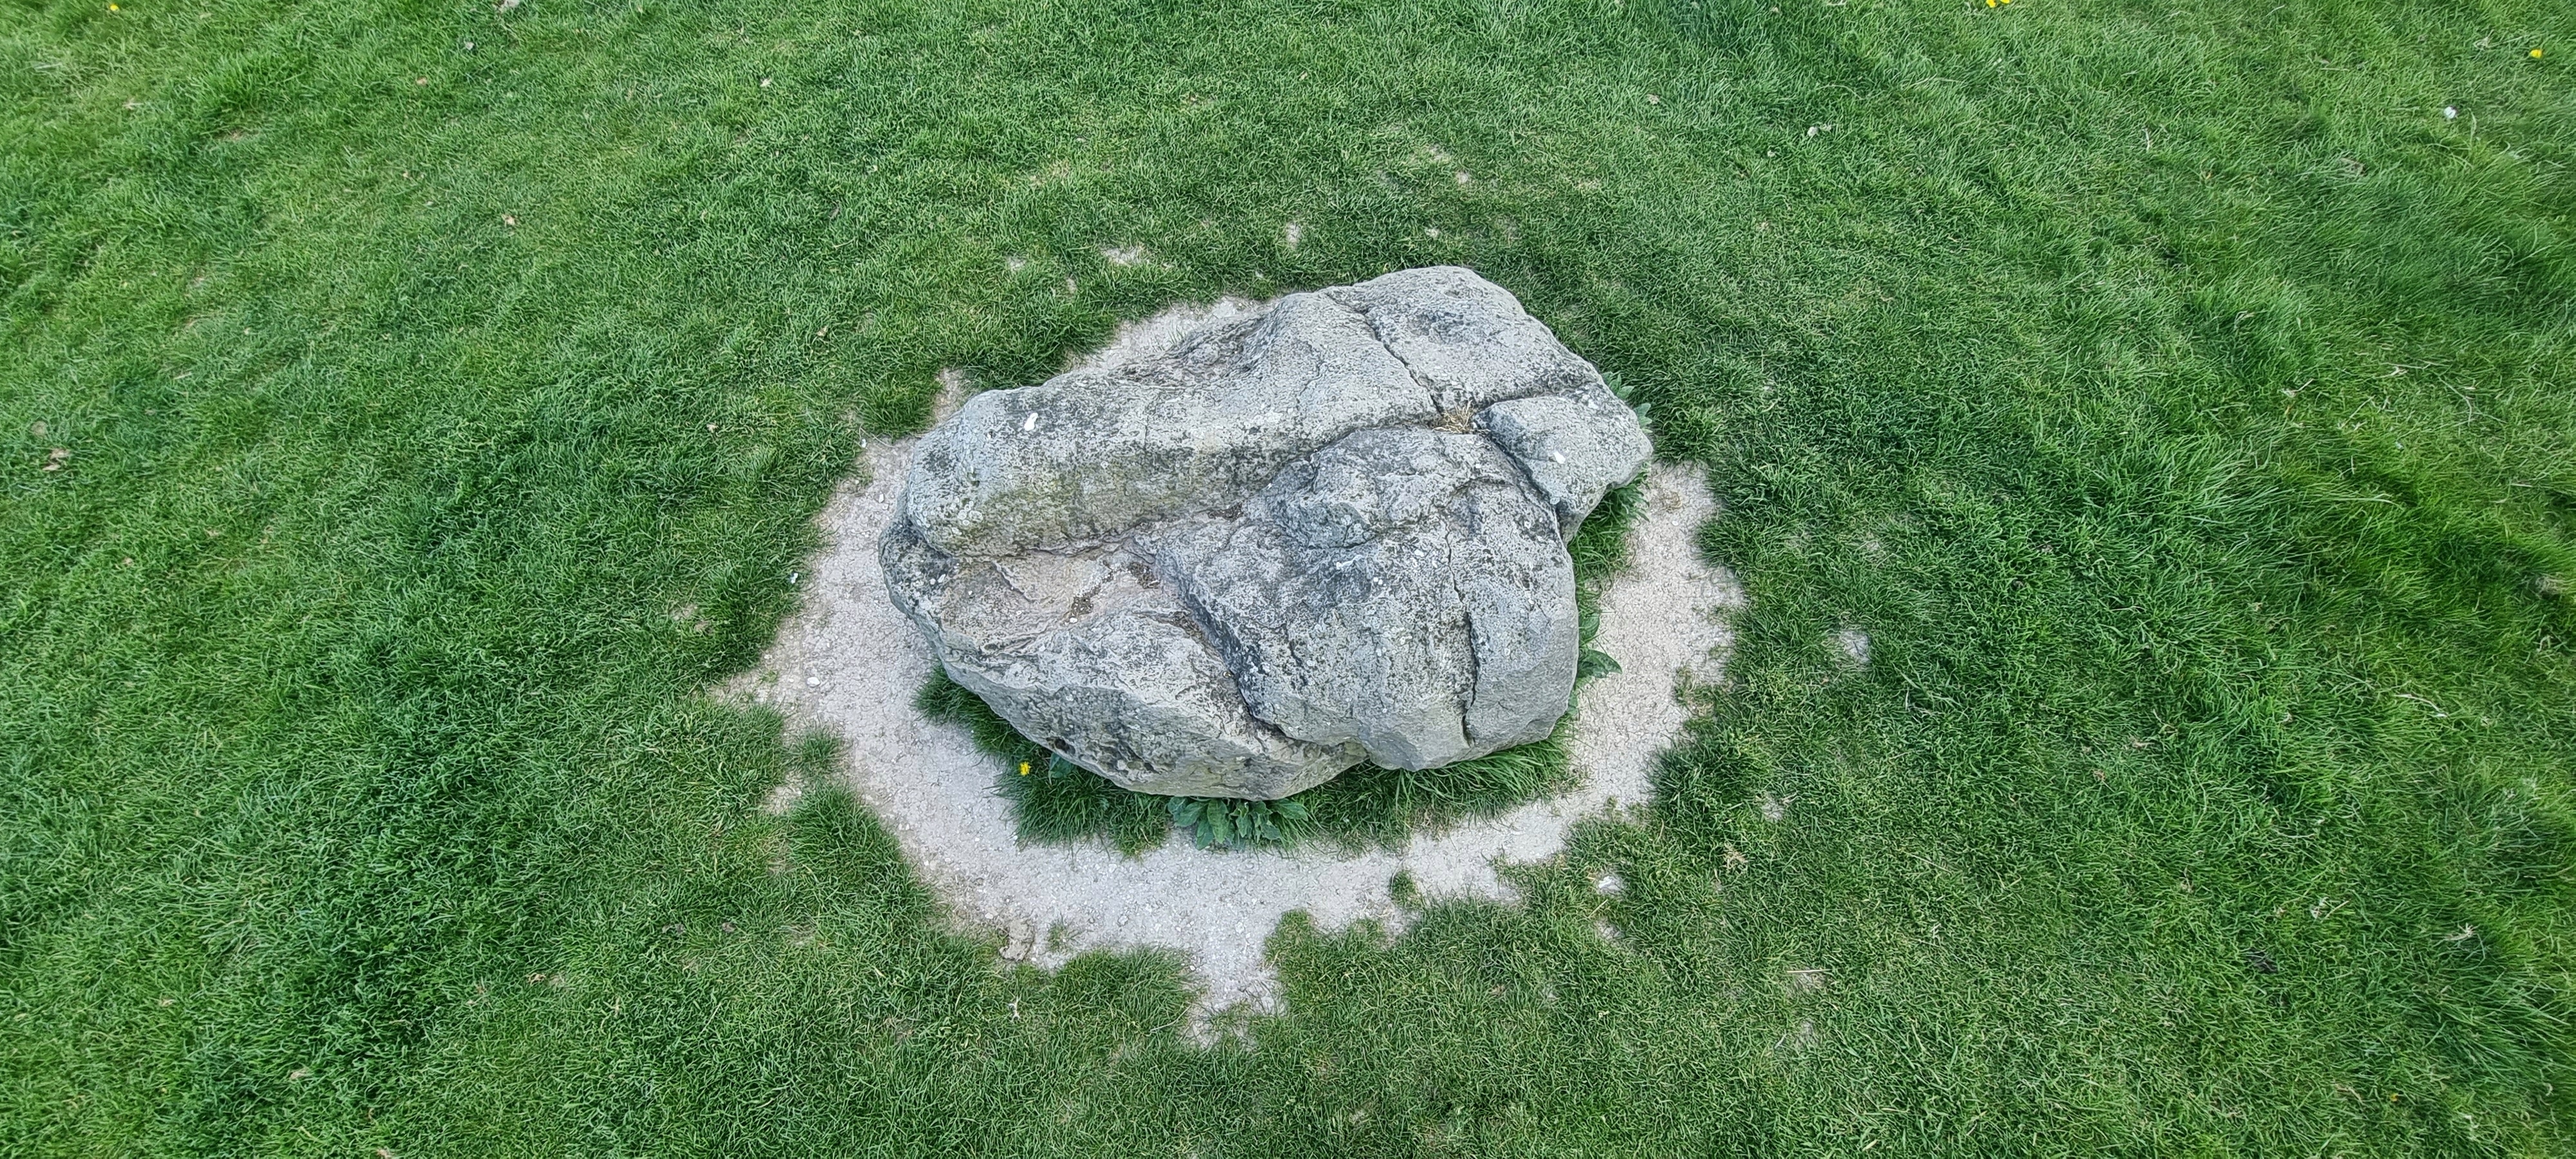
2175 395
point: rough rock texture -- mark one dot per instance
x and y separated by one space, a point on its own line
1401 589
1575 446
1329 531
1093 453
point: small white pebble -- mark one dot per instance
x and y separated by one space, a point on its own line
1032 423
1610 885
813 682
2449 113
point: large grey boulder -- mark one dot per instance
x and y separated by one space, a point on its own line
1330 531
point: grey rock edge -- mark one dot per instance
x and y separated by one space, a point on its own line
1327 531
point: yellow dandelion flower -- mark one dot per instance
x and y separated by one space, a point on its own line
2535 54
1024 768
114 8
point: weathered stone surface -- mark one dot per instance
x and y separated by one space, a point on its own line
1088 654
1576 446
1465 338
1401 589
1092 453
1331 530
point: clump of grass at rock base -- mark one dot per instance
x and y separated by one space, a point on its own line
1056 800
2179 402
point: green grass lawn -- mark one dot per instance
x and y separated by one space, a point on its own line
408 408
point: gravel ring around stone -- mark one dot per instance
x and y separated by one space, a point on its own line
847 662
